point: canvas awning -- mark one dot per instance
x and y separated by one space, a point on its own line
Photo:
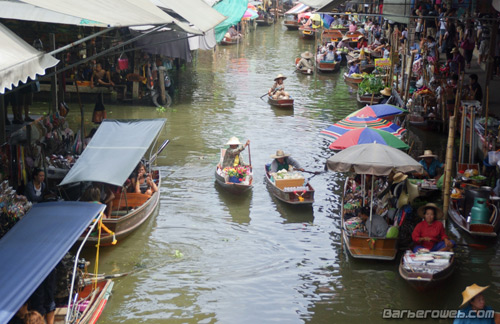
197 12
19 61
297 9
234 10
114 151
109 13
35 245
397 10
315 3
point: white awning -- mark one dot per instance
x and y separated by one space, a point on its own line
197 12
315 3
18 60
109 13
299 8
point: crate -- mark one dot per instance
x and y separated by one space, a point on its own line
283 183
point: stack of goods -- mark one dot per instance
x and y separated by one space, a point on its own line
58 165
238 174
425 261
353 225
284 179
12 207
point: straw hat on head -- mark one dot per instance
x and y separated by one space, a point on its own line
428 153
437 210
399 177
360 37
454 50
345 38
307 55
386 92
471 292
233 141
279 154
280 76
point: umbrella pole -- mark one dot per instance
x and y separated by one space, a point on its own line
448 166
371 210
363 201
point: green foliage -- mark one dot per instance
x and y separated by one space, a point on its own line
370 84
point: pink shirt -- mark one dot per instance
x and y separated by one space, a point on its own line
352 28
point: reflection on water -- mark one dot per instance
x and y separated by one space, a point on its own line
212 257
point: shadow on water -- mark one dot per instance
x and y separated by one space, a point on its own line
238 205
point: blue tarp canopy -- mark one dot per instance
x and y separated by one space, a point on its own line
114 151
35 245
234 11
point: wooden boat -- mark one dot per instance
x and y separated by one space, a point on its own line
304 197
281 103
91 303
476 230
230 40
367 68
302 71
366 99
342 30
352 82
264 21
425 275
307 32
331 35
232 186
362 246
353 37
292 24
327 67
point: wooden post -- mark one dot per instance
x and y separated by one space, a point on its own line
407 91
135 85
448 167
471 134
161 82
462 135
487 111
403 71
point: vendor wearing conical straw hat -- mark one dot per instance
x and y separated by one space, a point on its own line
283 161
232 156
476 310
432 166
277 91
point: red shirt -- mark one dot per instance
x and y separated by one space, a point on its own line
435 231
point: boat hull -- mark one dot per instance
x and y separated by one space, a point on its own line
481 231
327 67
265 22
302 71
290 197
307 33
236 188
352 82
423 281
230 41
291 24
281 103
367 99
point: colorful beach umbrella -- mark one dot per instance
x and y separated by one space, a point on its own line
250 14
353 122
365 136
379 111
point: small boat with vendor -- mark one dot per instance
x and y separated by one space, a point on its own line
284 181
307 32
304 64
231 172
264 20
111 170
32 251
331 35
277 96
292 20
353 80
230 40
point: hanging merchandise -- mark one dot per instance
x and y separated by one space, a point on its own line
123 62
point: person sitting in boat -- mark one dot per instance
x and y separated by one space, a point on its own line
376 43
432 166
283 161
362 42
306 63
377 226
353 27
329 55
344 43
387 95
106 197
476 304
353 67
144 182
233 33
277 91
232 156
429 233
35 189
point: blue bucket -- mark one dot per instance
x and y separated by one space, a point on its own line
234 179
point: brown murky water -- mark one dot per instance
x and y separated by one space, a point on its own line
210 257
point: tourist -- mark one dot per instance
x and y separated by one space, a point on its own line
33 317
429 233
468 43
283 161
329 56
35 189
484 42
476 310
232 156
277 91
432 167
306 63
144 182
376 226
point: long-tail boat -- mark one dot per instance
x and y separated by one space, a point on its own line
298 193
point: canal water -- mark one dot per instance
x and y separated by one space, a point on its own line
211 257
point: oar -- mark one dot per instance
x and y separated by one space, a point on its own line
159 151
472 245
249 156
313 172
263 95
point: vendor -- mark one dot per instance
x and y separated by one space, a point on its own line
277 91
387 95
353 67
232 156
362 42
432 166
429 233
306 63
377 226
283 161
476 304
35 189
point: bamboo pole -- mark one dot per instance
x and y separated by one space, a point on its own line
371 100
403 71
471 134
407 91
487 111
448 167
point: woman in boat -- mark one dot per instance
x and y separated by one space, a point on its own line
144 182
344 43
329 56
432 166
353 67
283 161
277 91
306 62
35 189
362 42
353 27
232 156
476 304
429 233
